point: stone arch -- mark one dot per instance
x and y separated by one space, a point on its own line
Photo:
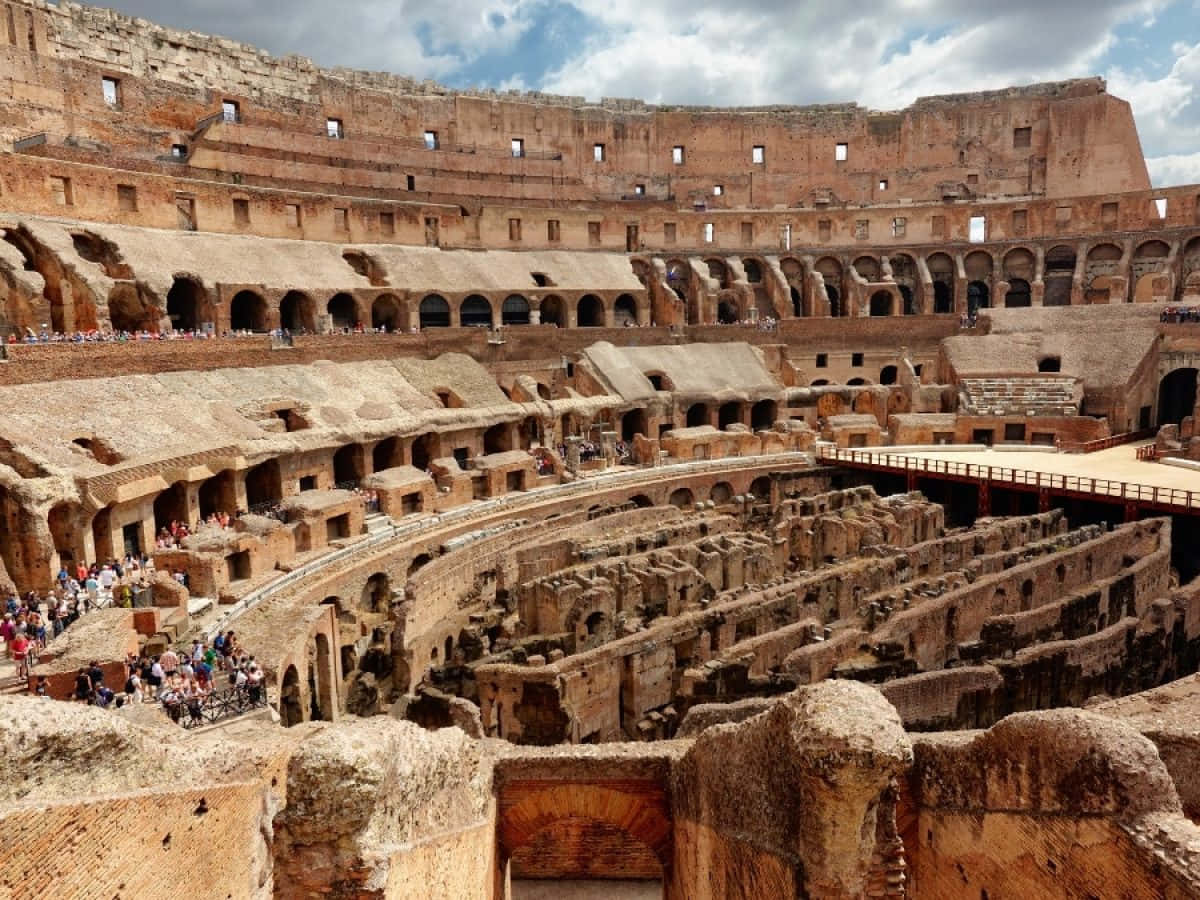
554 311
475 311
942 271
514 310
187 304
1102 263
248 312
425 449
979 265
131 308
297 313
386 454
434 312
1176 396
498 438
978 297
1018 295
722 492
760 487
342 310
376 597
729 414
1019 262
643 819
171 505
682 498
1050 364
1059 275
907 300
697 414
762 415
753 269
888 375
56 285
387 312
641 501
348 464
625 311
718 271
589 312
727 311
633 423
868 267
263 484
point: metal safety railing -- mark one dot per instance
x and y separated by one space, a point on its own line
194 712
1003 475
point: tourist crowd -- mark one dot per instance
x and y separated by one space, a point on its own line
1180 314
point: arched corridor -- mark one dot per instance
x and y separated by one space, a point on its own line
1176 396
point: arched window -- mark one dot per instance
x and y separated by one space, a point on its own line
590 312
515 310
184 302
475 311
386 313
342 311
625 311
296 312
248 312
434 312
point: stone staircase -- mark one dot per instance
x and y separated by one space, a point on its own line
378 523
1025 395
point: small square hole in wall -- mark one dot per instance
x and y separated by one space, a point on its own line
639 190
179 151
883 184
1022 137
822 360
856 359
718 190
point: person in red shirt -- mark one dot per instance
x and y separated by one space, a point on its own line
20 654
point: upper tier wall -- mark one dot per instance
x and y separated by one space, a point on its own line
1050 140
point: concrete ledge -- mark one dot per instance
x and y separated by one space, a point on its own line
1192 464
900 449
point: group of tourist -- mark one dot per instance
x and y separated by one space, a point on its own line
1180 314
369 498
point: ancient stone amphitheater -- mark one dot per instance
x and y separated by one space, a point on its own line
625 501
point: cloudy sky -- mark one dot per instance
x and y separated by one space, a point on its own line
881 53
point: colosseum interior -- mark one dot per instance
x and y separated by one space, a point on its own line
616 500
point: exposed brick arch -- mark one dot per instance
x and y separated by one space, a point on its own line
637 807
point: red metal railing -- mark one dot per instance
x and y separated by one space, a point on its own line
1126 491
1104 443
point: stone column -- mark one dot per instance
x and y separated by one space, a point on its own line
572 460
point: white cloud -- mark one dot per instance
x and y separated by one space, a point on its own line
1178 168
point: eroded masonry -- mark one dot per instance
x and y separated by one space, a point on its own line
412 493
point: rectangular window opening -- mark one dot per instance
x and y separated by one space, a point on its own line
977 229
179 151
862 229
334 129
1160 207
112 91
718 190
431 140
899 226
292 213
747 234
824 229
668 232
241 211
786 237
677 155
387 223
514 229
709 232
127 198
594 234
883 184
758 155
822 360
552 231
341 218
841 152
1022 137
639 190
231 111
856 360
518 147
60 189
598 152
